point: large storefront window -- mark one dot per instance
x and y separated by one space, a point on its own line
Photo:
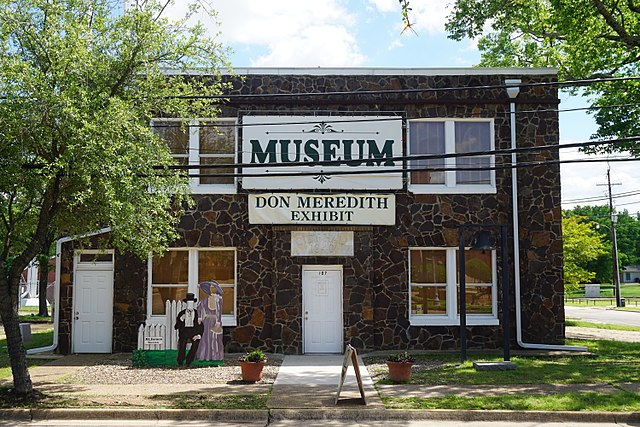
203 143
435 289
440 137
179 271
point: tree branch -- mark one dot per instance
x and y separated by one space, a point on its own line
633 7
616 26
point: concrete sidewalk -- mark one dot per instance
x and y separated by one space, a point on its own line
311 381
305 388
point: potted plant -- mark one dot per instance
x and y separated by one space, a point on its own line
400 366
251 365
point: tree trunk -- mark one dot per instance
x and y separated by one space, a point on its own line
43 267
17 355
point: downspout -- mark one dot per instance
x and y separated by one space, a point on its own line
56 291
513 90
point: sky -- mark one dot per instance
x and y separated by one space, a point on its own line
368 33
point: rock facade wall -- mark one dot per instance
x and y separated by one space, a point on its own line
375 279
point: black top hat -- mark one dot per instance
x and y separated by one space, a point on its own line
190 297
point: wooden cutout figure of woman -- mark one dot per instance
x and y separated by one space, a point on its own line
210 312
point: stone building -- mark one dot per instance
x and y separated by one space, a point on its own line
330 214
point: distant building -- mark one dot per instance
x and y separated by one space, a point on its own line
310 260
631 274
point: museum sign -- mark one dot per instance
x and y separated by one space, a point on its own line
308 152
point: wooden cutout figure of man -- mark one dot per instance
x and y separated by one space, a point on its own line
190 330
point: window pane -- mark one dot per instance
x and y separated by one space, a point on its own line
93 258
217 140
216 265
174 134
427 138
478 299
215 179
428 299
171 268
477 267
162 294
428 266
228 296
472 137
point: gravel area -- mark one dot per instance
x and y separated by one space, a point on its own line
117 369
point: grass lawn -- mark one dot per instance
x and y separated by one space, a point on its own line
581 324
613 362
39 339
617 402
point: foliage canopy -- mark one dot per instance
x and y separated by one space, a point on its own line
80 81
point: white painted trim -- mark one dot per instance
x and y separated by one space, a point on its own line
450 186
100 266
374 71
194 281
55 307
333 267
452 318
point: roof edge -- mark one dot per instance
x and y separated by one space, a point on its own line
375 71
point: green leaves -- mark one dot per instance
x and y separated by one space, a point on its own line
582 38
581 244
79 83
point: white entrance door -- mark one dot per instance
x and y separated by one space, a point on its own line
322 307
93 308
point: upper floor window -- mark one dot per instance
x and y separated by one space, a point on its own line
203 143
445 136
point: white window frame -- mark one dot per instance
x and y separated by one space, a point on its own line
194 156
452 318
194 281
450 186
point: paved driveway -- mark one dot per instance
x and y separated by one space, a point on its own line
603 315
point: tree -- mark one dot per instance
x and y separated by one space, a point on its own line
581 244
628 235
583 38
79 83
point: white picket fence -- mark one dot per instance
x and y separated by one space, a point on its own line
158 336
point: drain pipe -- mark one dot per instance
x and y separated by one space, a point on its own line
56 291
513 89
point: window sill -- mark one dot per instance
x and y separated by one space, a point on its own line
459 189
447 321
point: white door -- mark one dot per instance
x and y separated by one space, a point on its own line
322 307
93 308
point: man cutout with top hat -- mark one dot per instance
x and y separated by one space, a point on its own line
190 330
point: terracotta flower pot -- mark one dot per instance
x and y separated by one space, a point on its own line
251 371
399 371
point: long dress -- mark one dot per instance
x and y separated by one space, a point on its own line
210 312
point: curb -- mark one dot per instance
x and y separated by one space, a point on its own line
134 414
355 414
453 415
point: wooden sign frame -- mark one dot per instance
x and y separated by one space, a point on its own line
350 354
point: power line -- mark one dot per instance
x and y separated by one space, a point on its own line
267 173
417 157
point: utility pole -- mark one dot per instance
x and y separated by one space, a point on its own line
615 267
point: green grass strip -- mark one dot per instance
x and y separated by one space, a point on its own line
38 339
616 402
206 401
582 324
